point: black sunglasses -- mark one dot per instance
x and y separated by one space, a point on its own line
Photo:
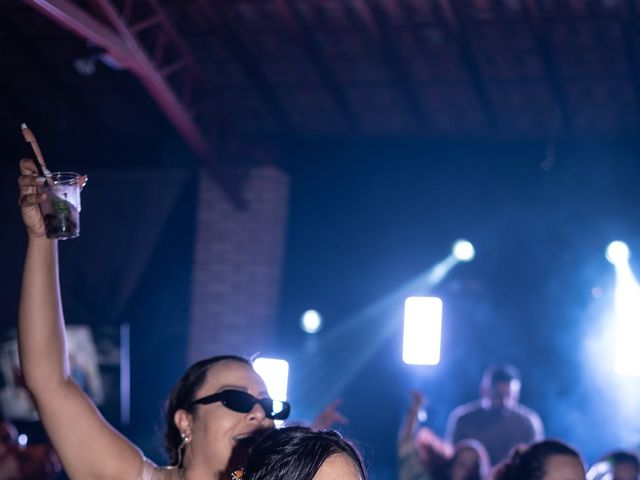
243 402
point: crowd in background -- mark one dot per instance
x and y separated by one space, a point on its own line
492 438
497 438
220 420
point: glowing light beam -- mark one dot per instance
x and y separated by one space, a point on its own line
627 321
360 336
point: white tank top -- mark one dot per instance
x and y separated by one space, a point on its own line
150 471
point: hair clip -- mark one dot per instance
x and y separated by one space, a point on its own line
238 474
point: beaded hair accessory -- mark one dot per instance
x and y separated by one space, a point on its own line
238 474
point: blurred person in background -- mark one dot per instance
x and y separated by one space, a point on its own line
497 420
25 462
470 461
423 455
545 460
617 465
420 452
330 417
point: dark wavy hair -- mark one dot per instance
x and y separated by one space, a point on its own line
529 462
297 453
182 394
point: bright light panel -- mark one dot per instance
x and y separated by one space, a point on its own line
463 251
311 321
275 373
422 330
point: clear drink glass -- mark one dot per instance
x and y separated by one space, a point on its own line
61 211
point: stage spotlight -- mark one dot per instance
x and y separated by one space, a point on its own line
463 251
311 321
627 321
628 329
422 330
275 373
627 306
617 253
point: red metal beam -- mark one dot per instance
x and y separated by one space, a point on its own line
78 21
125 48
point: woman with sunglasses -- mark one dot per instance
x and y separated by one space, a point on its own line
216 411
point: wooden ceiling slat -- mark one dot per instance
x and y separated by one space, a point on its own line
458 25
545 53
437 68
248 63
303 32
630 28
375 17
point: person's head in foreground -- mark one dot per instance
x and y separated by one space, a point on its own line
301 453
216 412
545 460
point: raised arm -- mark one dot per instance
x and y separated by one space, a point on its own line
329 417
90 449
410 422
418 449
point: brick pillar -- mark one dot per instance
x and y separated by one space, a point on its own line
237 266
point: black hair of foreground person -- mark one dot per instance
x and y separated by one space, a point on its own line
298 453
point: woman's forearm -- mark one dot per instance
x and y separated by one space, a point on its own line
40 327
